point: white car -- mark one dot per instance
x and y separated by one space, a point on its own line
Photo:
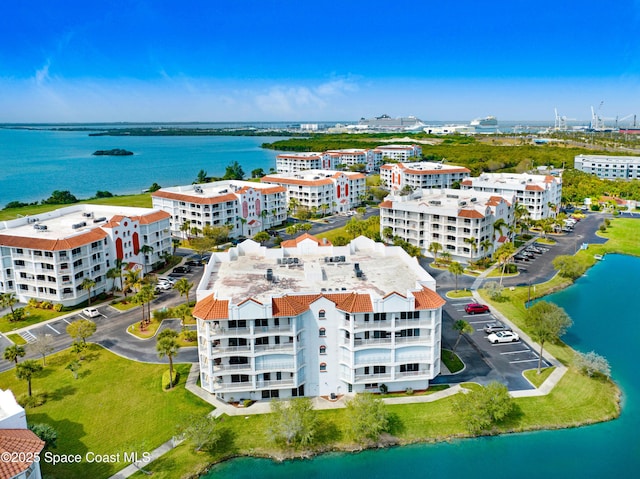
503 337
91 312
162 279
163 286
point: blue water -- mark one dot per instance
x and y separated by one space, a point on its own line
33 163
605 320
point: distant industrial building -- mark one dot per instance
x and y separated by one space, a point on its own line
609 167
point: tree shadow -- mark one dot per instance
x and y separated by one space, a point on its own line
328 433
226 443
84 374
62 392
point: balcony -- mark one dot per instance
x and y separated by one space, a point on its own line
413 340
232 367
275 384
372 378
231 349
222 331
413 323
371 342
229 386
421 374
276 367
286 347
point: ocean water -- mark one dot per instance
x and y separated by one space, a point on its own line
605 320
33 163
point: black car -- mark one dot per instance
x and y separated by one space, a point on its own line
182 269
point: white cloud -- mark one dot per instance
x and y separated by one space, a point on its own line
42 75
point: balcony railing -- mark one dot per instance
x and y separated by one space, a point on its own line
229 386
412 374
413 339
275 384
371 342
232 367
288 347
232 349
372 378
276 367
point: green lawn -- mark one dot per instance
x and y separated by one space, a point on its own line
142 200
115 405
34 315
461 293
537 379
16 339
452 361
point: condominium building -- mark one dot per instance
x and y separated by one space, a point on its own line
460 221
47 257
246 207
312 319
372 159
324 191
609 167
423 174
399 152
294 162
540 194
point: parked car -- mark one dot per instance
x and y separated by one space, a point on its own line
503 337
476 308
91 312
163 279
495 327
163 286
193 263
181 269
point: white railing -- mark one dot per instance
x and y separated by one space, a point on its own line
275 383
274 347
232 367
372 378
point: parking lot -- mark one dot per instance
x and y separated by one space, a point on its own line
485 362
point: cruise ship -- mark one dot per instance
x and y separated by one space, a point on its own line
385 122
486 123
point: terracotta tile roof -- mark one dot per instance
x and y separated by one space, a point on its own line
386 204
351 302
43 244
467 182
273 189
202 200
534 188
502 239
153 217
549 179
349 175
297 181
470 214
292 243
428 299
289 305
249 300
437 172
386 167
18 441
211 308
316 156
496 200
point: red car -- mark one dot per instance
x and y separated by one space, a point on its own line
476 308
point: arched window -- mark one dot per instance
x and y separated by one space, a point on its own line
322 332
322 314
323 367
323 349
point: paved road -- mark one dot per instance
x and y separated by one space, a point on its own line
111 331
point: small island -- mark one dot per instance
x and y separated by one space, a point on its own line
113 152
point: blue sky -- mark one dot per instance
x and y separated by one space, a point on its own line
80 61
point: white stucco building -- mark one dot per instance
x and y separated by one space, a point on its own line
399 152
458 220
247 207
540 194
48 256
300 161
608 166
422 174
325 191
372 159
312 319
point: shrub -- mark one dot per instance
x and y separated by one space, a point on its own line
36 400
46 433
57 307
247 402
408 391
602 228
384 388
165 379
160 314
190 335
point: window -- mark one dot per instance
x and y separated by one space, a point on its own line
323 349
405 368
379 369
323 367
322 332
262 322
321 314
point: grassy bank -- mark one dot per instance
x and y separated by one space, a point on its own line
142 200
115 405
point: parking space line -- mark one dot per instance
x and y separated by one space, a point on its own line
27 336
54 329
64 319
481 321
516 352
505 344
523 361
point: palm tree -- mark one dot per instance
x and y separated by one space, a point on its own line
446 256
13 352
503 253
473 242
8 300
168 346
293 206
132 280
183 286
146 250
463 327
113 274
147 294
195 231
184 227
182 312
387 233
175 242
499 226
87 284
435 248
456 269
487 245
27 369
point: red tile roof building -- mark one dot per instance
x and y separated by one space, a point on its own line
48 256
312 319
456 219
421 174
247 207
540 194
